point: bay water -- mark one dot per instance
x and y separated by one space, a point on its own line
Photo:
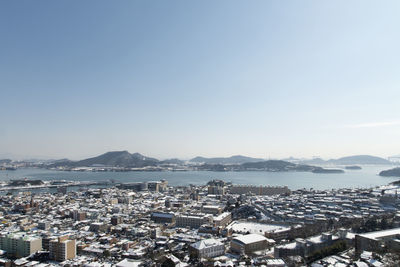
364 178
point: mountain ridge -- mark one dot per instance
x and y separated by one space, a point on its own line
112 159
124 159
350 160
235 159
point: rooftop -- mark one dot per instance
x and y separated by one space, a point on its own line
250 238
380 234
128 263
257 227
206 243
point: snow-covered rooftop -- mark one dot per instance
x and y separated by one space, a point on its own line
128 263
257 227
380 234
250 238
206 243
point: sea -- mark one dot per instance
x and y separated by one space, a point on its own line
367 177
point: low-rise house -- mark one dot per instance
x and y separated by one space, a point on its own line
207 248
249 243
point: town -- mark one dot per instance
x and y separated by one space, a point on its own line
200 133
217 224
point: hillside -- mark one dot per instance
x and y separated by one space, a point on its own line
314 161
172 161
395 172
112 159
268 166
350 160
360 159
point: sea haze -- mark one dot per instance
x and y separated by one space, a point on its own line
366 177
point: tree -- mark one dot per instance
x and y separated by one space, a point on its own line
371 225
384 224
106 253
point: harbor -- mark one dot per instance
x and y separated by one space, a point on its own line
30 184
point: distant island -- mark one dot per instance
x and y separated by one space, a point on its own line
350 160
353 167
125 161
111 159
237 159
267 165
395 172
322 170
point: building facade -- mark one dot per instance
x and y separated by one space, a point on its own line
207 248
211 209
20 245
249 243
379 241
223 219
162 217
62 249
191 221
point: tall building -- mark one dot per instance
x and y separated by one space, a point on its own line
157 186
216 190
78 215
115 220
62 249
20 245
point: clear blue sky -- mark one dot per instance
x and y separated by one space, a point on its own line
211 78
